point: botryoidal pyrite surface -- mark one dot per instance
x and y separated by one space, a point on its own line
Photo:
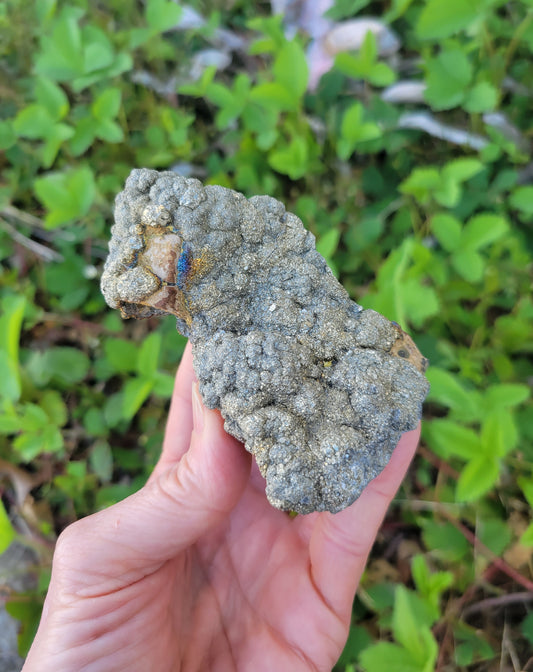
318 389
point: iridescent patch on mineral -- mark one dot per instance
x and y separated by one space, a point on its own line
318 389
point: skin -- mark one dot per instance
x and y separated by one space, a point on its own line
197 571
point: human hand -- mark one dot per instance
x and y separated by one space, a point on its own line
197 571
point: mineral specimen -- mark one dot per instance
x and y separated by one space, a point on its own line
318 389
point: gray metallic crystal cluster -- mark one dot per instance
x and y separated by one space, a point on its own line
318 389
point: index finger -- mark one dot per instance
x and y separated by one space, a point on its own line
179 424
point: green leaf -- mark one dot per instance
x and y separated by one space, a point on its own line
12 312
445 541
447 230
51 402
33 122
498 433
469 264
421 183
61 57
67 365
522 199
109 131
275 94
161 15
448 76
122 354
293 160
107 105
390 657
7 533
444 18
506 395
67 196
52 97
477 478
290 68
101 461
449 438
411 632
482 97
328 243
462 170
447 390
484 229
7 134
149 355
135 393
354 129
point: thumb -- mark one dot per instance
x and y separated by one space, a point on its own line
167 515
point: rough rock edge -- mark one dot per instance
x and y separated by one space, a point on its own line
317 388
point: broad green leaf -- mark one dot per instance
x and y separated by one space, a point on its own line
448 76
34 418
469 264
355 129
163 384
527 488
7 134
444 18
482 97
61 57
107 105
522 199
135 393
67 196
11 314
483 229
447 390
505 395
109 131
477 478
448 193
420 302
495 533
98 51
411 632
445 541
122 354
328 243
421 184
51 402
274 94
162 15
7 533
498 433
67 365
293 160
149 355
52 98
101 460
390 657
462 170
33 122
290 68
449 438
447 230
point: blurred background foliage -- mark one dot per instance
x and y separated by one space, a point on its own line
400 132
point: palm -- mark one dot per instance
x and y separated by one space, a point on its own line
243 597
197 571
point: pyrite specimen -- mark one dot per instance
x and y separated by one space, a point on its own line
318 389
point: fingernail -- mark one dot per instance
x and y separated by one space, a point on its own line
197 409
